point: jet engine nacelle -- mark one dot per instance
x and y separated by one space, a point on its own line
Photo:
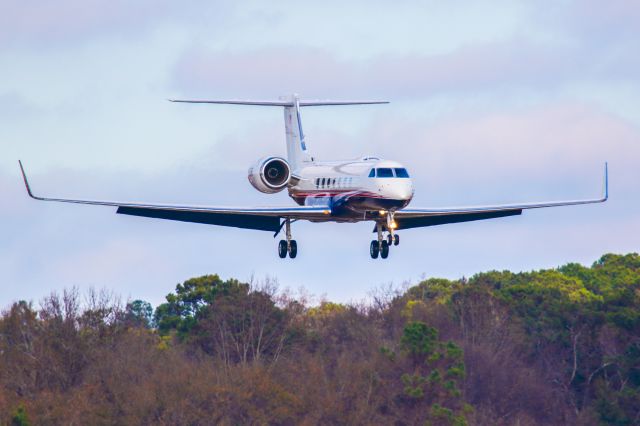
270 175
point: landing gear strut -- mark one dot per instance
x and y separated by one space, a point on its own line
287 246
381 245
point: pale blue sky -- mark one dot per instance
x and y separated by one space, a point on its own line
491 102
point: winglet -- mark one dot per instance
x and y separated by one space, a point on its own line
26 182
606 182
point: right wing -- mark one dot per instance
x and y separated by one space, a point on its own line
258 218
417 217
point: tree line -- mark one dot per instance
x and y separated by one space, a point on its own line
550 347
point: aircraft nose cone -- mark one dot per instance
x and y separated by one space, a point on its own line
405 193
401 191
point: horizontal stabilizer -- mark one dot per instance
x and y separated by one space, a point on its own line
281 103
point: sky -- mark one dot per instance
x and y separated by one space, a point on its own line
491 102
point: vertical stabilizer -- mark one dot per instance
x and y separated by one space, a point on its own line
297 153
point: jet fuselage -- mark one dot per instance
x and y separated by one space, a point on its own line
353 189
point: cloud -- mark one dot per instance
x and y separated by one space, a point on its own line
51 23
15 106
603 21
553 148
316 72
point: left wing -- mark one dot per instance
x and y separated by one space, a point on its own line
259 218
415 218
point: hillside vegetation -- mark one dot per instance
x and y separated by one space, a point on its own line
551 347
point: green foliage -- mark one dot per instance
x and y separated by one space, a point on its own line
413 385
453 351
20 417
388 353
430 357
443 415
184 307
326 309
585 319
419 340
456 371
435 376
436 289
139 313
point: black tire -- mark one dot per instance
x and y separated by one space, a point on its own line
374 249
293 249
282 249
384 250
389 239
396 240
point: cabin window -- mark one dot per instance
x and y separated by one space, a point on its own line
384 173
372 173
401 173
323 183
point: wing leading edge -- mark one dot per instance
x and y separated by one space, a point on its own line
258 218
417 217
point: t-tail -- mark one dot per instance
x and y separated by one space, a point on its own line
297 153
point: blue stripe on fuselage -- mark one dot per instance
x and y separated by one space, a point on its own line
302 144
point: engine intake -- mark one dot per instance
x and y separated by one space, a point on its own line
270 175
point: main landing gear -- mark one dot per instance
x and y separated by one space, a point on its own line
380 247
287 246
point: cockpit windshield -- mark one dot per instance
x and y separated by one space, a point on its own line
401 173
387 172
384 173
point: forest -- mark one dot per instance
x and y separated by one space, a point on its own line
550 347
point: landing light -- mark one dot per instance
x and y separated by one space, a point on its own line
382 212
393 225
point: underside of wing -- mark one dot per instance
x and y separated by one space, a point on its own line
262 219
429 218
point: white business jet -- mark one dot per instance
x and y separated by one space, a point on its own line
364 189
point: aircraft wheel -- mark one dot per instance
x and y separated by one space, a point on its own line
384 250
374 249
282 249
293 249
396 239
389 239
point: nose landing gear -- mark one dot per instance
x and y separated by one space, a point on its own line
288 246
